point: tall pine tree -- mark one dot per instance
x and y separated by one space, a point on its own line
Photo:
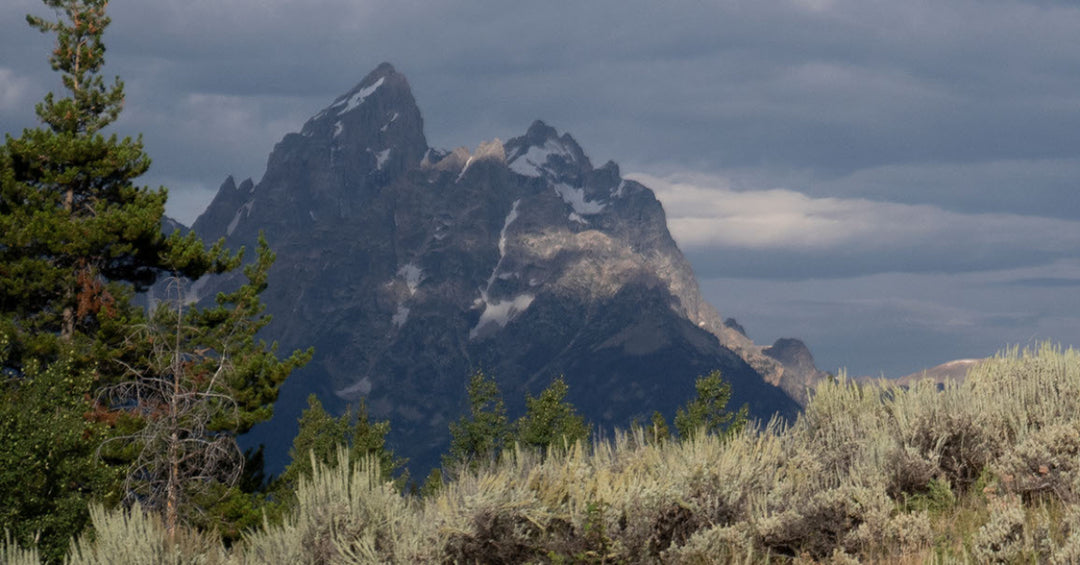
77 239
76 235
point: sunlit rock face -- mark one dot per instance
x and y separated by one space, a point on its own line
409 267
798 373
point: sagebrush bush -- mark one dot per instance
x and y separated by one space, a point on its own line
12 554
344 513
1002 539
983 471
1045 462
1069 550
134 537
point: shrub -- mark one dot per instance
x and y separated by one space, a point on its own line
1002 539
12 554
135 537
345 513
869 473
1046 462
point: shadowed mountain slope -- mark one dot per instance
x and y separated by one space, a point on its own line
409 267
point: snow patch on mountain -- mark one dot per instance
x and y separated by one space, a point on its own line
244 210
513 215
532 162
499 313
575 197
412 275
400 316
463 169
380 157
359 389
387 124
357 99
193 291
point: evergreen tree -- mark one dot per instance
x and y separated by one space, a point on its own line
480 435
708 410
77 240
549 420
76 235
321 435
205 379
658 431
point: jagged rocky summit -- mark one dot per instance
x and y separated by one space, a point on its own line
408 268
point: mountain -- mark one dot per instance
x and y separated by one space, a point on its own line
951 371
409 267
799 374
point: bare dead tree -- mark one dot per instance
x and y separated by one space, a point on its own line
175 395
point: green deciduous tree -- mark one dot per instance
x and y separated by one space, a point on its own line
549 420
708 410
48 470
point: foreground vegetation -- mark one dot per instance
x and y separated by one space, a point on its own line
984 471
125 420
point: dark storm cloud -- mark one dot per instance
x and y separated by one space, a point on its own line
817 90
1046 282
966 107
934 140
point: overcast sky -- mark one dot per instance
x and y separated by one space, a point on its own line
896 183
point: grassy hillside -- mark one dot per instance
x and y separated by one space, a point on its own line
984 471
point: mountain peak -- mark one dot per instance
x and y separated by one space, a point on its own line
373 129
542 152
800 372
407 267
383 82
384 68
540 132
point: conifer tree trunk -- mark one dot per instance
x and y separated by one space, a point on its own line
172 489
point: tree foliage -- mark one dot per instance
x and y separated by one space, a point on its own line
205 379
708 410
77 240
75 232
321 435
48 470
549 420
480 435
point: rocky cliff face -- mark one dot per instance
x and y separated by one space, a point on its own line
799 374
408 267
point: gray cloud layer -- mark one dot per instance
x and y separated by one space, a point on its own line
824 138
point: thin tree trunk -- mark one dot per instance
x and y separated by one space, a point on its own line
67 327
172 489
172 510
